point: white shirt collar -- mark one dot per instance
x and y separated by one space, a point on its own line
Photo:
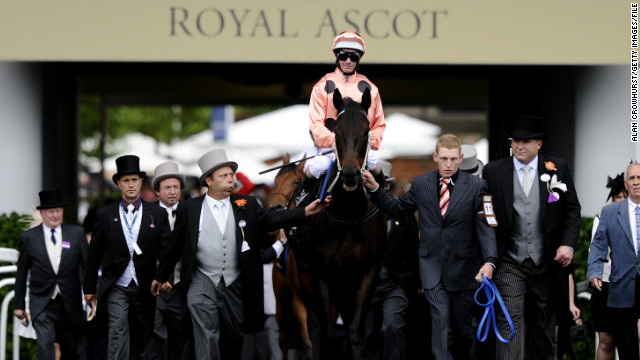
173 208
48 229
632 205
532 164
211 202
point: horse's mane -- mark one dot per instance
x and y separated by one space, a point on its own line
287 169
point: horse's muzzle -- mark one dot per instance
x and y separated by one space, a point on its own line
351 178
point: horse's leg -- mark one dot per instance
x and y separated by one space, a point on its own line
320 327
282 293
363 296
299 309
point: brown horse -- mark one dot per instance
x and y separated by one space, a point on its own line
340 250
291 313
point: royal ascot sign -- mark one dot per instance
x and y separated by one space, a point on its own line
301 31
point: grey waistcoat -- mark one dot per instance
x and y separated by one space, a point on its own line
526 237
217 253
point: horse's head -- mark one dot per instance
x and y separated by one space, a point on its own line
351 138
287 180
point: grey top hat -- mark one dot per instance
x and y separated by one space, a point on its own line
167 170
470 162
212 161
127 165
50 199
385 166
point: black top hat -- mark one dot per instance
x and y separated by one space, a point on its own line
127 165
526 127
50 199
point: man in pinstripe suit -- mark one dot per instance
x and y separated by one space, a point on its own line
452 231
538 217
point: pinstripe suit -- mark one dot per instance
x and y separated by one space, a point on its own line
448 251
542 283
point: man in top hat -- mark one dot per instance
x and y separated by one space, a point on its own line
217 236
470 162
538 217
168 183
126 243
55 253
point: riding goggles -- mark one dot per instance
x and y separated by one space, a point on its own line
344 55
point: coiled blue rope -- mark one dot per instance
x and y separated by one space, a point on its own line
489 316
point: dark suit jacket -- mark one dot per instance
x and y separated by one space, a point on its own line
400 254
34 257
614 232
448 249
184 242
560 219
109 248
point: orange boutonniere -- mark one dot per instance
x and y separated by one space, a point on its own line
550 166
241 203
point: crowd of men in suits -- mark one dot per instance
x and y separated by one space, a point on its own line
176 279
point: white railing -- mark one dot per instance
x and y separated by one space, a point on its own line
10 256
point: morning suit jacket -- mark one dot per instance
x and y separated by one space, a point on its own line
34 257
560 219
448 249
184 243
109 248
614 232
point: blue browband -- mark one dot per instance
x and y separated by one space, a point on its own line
489 316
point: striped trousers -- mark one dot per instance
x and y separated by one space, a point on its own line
526 288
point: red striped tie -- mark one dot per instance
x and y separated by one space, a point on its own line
444 196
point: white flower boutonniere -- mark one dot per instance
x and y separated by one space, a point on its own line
552 184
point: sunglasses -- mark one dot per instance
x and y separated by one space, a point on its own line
344 55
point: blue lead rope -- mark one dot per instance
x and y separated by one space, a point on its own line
324 194
489 316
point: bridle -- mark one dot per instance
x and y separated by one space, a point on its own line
337 158
339 170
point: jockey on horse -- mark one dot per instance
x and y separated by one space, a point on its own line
348 48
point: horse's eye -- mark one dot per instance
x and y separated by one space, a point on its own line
297 181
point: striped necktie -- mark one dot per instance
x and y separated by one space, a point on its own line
444 196
637 230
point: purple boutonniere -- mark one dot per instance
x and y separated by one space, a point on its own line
553 183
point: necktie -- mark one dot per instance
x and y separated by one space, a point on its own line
53 232
218 215
444 196
172 220
637 229
527 180
130 210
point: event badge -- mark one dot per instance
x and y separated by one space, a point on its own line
245 246
66 245
489 215
136 248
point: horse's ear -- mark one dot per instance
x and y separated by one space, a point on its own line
366 100
338 102
286 159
